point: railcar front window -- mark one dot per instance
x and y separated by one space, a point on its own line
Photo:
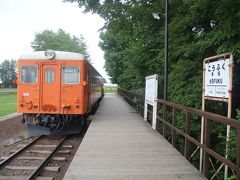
29 74
49 76
71 75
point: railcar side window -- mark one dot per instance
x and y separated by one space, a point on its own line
71 75
29 74
49 76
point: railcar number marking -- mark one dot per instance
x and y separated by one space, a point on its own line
25 94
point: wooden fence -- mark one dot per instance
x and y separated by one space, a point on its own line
163 122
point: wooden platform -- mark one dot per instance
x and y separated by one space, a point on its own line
120 145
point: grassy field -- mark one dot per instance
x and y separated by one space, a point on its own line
8 100
8 103
108 89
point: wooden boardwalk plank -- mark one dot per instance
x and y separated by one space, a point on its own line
121 145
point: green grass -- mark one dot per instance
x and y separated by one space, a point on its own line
8 100
108 89
8 103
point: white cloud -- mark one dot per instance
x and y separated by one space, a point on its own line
20 20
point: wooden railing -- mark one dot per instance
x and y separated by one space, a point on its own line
134 99
164 107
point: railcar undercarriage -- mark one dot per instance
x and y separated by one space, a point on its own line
54 124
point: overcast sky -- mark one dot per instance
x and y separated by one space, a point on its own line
21 19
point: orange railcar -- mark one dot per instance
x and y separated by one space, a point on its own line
57 91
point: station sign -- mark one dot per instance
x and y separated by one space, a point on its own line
217 86
217 76
151 90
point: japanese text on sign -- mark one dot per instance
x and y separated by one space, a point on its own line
217 78
151 88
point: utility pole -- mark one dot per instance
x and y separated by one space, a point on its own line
165 92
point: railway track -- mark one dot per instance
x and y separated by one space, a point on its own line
31 159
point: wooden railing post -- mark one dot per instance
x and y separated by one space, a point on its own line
208 117
174 125
187 131
206 143
238 155
164 119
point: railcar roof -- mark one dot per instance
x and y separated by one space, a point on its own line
59 55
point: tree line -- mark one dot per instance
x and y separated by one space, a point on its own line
133 41
47 39
8 73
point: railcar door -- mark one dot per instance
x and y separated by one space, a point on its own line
50 88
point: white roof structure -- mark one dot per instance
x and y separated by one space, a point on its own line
50 54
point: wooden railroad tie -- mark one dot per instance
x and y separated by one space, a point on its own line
42 158
39 151
46 146
67 146
24 177
37 158
48 168
64 152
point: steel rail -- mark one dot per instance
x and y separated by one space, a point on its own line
5 161
43 164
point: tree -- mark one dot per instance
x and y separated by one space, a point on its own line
132 41
8 73
60 41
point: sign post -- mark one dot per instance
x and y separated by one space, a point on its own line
151 90
217 86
